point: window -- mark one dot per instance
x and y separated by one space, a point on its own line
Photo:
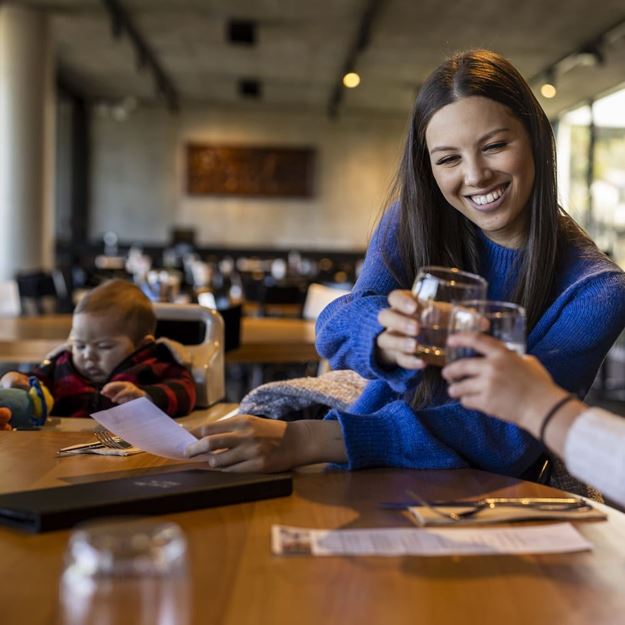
595 199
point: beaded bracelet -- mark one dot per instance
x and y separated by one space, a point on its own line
565 400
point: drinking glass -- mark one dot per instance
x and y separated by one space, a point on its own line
119 572
502 320
436 289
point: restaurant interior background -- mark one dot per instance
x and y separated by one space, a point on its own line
128 88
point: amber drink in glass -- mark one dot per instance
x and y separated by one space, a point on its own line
435 290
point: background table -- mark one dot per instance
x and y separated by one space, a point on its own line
27 340
237 581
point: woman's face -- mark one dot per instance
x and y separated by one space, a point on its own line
482 161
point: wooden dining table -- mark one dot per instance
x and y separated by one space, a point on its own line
235 579
26 340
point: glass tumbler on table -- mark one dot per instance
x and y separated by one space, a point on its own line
126 571
435 290
504 321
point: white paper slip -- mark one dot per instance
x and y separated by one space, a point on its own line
147 427
399 541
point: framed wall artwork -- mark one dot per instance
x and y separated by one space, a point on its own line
277 172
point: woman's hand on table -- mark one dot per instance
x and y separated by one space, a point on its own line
397 344
246 444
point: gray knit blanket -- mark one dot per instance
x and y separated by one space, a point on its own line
287 399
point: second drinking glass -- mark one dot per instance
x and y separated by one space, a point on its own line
436 289
504 321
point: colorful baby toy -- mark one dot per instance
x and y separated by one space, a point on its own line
29 408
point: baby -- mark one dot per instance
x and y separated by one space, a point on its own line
112 358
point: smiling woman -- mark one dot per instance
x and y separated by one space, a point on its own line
476 190
481 158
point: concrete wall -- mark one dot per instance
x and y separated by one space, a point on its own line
138 178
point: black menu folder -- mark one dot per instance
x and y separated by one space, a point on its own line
154 493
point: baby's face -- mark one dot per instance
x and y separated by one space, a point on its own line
98 345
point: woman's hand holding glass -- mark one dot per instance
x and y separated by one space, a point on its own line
502 383
397 344
417 321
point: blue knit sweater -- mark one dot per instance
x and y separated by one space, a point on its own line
381 429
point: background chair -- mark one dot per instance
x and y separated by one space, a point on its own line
37 292
282 299
201 331
10 305
231 315
318 296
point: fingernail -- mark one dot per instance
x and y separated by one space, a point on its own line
410 345
410 327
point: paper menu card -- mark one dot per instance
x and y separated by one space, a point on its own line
535 539
147 427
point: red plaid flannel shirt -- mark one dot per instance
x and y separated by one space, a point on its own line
152 368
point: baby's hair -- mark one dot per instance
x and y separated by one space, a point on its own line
123 301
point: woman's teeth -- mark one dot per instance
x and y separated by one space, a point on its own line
489 197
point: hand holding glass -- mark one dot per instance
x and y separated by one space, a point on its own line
435 290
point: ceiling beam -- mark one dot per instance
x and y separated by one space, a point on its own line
360 43
122 23
592 51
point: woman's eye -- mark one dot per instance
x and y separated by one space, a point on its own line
447 160
496 146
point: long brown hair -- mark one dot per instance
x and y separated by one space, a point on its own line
432 232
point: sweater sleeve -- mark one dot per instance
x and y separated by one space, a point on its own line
45 373
175 392
595 452
574 335
381 429
348 327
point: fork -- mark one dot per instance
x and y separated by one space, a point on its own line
109 440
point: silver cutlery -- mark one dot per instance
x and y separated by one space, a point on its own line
472 508
110 440
105 440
